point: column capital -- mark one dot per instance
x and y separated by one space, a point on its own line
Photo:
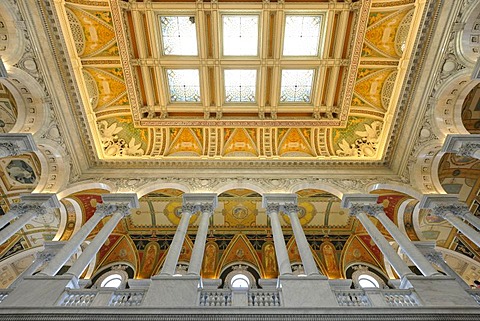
22 208
291 209
204 202
107 209
369 209
443 204
279 198
462 144
361 203
272 208
47 200
117 203
16 144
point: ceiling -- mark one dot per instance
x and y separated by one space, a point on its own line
129 65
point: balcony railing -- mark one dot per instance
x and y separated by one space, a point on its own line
77 298
475 295
126 298
262 298
392 298
4 294
401 298
352 298
217 298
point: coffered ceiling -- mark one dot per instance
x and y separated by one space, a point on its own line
256 81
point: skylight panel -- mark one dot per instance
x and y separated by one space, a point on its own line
179 36
240 35
184 85
296 85
240 85
302 35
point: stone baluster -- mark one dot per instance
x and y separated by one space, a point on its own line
16 144
283 261
122 205
447 207
32 206
357 210
171 260
206 208
308 261
435 257
463 145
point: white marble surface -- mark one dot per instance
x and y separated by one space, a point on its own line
172 291
39 291
439 291
307 292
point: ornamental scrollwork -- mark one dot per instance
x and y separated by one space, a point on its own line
23 208
10 149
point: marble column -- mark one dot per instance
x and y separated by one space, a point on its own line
447 207
207 204
308 261
281 253
16 144
435 257
369 202
122 204
357 210
175 248
463 145
41 257
31 206
102 210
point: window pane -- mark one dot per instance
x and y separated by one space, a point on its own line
240 35
302 35
296 85
184 85
179 36
240 85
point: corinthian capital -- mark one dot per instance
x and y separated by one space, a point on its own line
206 207
189 208
468 149
272 208
9 149
291 209
369 209
23 208
443 209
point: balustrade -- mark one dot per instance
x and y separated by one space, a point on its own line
261 298
352 298
124 298
77 298
222 298
400 298
4 294
475 295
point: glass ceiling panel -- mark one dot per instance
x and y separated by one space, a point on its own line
184 85
240 85
302 35
179 36
240 35
296 85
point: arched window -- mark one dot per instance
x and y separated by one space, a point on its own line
112 281
240 281
367 281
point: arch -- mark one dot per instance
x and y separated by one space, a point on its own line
421 171
152 187
317 185
239 185
55 170
404 189
16 44
464 47
83 186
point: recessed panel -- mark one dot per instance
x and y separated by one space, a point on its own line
302 35
240 85
179 35
240 35
296 85
184 85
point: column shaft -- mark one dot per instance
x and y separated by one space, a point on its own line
5 219
308 262
92 249
170 264
283 261
15 226
406 245
72 246
390 254
463 227
472 219
199 247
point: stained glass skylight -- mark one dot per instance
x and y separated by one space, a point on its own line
184 85
240 85
179 35
296 85
302 35
240 35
